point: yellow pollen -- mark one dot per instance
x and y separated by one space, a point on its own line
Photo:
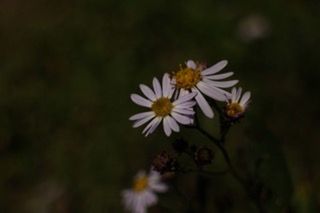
234 110
140 184
187 78
162 107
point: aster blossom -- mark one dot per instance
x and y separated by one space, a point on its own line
237 103
196 78
143 192
162 107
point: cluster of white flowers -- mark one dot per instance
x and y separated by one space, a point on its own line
173 102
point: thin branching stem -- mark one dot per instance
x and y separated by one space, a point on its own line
225 154
224 129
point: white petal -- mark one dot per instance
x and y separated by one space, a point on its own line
184 105
191 64
172 88
173 124
148 92
246 96
141 115
159 187
128 199
157 87
140 204
222 84
140 100
166 127
238 94
233 94
204 106
220 76
175 94
154 176
184 111
184 98
149 125
211 92
154 126
215 68
149 198
142 121
213 85
166 85
140 209
182 119
183 92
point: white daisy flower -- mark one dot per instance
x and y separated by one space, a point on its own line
195 78
163 108
143 192
236 105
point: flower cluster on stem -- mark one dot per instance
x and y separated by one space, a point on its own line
173 102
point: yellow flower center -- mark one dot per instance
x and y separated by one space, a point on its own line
187 78
162 107
140 184
234 110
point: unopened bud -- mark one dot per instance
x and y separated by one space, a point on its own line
203 156
164 163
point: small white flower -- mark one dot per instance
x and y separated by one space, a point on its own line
163 108
143 192
195 78
237 105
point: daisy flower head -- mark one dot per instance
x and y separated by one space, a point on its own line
237 104
194 77
143 192
162 107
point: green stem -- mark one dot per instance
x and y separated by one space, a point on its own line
224 153
241 180
201 192
224 129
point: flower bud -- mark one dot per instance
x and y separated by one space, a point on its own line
203 156
164 163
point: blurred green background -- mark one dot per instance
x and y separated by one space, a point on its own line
67 70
